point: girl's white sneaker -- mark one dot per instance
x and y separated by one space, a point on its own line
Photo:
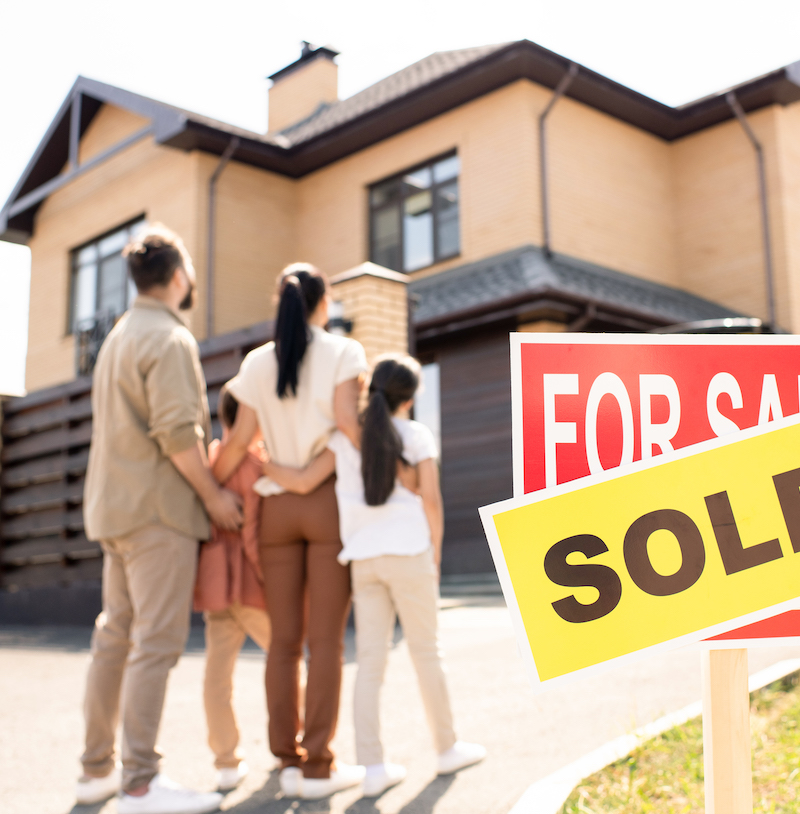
345 776
229 778
96 789
459 756
381 777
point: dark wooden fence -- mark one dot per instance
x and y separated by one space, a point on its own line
46 438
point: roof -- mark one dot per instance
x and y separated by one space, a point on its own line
516 282
415 94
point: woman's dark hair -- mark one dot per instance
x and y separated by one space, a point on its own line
153 257
395 379
227 407
300 288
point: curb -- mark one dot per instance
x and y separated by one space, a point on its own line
549 794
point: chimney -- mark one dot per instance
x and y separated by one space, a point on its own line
300 88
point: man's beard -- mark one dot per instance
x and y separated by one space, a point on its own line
187 302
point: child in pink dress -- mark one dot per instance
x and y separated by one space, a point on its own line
229 591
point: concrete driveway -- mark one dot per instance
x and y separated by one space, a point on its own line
528 736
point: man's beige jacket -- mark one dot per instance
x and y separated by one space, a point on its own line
148 402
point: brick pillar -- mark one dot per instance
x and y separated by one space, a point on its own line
375 299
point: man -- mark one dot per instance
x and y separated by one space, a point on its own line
148 496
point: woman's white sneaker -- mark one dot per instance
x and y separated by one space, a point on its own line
345 776
166 797
290 779
459 756
381 777
90 790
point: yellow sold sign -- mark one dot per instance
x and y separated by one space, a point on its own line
661 553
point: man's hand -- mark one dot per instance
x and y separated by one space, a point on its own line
225 510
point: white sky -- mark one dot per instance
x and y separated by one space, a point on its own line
213 57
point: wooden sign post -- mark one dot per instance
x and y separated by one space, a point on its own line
726 733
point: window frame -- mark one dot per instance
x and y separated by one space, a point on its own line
433 188
71 326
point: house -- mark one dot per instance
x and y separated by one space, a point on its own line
473 193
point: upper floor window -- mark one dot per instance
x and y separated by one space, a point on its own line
101 288
414 216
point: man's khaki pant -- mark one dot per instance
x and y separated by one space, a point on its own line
226 631
148 579
407 586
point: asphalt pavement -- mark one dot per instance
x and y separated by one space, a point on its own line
529 736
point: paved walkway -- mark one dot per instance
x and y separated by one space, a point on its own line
528 736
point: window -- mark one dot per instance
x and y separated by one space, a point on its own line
427 402
101 288
414 216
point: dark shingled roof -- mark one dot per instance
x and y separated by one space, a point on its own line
422 73
527 274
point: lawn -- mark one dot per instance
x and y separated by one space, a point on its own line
665 775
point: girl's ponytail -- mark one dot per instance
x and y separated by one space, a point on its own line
301 288
394 381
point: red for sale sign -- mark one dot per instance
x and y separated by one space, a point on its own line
586 403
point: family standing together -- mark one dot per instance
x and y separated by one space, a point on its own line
305 502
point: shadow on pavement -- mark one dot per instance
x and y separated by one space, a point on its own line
423 803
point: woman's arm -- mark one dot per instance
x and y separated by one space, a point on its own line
345 410
302 481
232 452
432 503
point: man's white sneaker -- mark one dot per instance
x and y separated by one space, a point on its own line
96 789
290 779
381 777
229 778
459 756
166 797
345 776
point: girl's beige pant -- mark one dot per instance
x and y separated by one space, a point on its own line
406 586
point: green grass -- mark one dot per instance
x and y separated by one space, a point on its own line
665 775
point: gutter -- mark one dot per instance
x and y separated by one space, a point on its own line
560 90
731 99
211 232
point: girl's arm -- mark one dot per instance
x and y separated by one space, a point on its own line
432 503
345 410
232 452
302 481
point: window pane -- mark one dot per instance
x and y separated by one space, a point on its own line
418 231
113 243
87 255
83 296
113 285
446 169
385 193
420 179
427 400
447 219
386 238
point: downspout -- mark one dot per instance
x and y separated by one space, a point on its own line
762 191
211 232
560 90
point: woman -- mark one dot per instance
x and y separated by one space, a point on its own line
297 390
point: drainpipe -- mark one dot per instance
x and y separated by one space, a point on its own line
762 191
211 232
560 90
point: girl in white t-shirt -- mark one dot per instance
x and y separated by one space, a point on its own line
392 537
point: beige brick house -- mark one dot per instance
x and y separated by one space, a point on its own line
424 198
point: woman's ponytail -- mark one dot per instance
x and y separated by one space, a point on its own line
301 287
394 381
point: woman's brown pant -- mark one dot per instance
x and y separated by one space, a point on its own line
308 597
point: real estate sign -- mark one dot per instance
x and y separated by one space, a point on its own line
586 403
